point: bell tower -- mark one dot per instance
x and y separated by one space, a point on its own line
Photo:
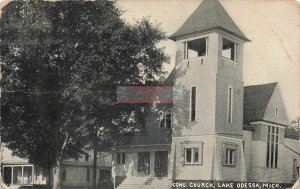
207 126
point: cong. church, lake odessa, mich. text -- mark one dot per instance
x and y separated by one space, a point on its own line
221 184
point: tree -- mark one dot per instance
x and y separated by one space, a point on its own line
61 64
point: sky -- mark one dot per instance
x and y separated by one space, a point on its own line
273 26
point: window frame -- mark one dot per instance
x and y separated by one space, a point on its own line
229 104
193 116
295 169
192 145
276 111
185 48
22 182
226 156
164 117
193 149
235 46
272 141
121 158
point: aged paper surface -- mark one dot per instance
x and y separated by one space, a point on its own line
271 25
272 55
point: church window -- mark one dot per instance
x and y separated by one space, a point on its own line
229 49
229 104
229 154
295 169
120 158
195 48
191 156
193 104
276 111
272 147
166 121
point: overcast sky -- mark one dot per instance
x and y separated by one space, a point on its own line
273 55
272 26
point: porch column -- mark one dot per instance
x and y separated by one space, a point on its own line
152 161
12 175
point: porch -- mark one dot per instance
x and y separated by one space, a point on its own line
22 174
144 182
141 166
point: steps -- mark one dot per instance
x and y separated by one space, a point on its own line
144 183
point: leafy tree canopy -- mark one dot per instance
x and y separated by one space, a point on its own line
61 64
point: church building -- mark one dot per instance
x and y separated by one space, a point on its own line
223 130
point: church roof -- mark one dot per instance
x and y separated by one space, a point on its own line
256 100
290 132
170 79
208 16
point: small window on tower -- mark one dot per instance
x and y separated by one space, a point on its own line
229 104
195 48
193 104
229 49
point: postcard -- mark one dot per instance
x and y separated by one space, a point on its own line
156 94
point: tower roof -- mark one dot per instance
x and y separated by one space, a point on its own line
208 16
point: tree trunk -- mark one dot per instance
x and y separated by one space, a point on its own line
49 181
57 170
57 175
95 168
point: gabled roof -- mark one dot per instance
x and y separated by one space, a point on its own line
256 100
290 132
170 79
208 16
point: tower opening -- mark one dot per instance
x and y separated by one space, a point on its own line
195 48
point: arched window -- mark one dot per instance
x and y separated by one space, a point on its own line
276 111
166 120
